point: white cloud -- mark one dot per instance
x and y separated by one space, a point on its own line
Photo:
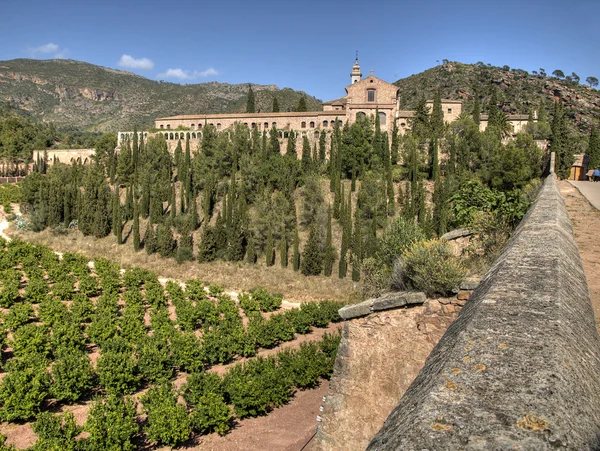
181 74
130 62
51 50
46 48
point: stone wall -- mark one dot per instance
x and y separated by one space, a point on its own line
520 367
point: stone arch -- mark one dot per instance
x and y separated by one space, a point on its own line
280 134
382 118
360 115
193 135
325 124
253 125
312 124
266 125
192 126
187 135
219 126
171 136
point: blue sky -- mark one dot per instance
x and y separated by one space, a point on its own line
306 45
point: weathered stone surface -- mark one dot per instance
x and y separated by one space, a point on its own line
395 300
463 295
454 234
520 367
470 283
386 302
355 310
378 358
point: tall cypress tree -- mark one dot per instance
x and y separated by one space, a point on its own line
172 201
149 239
134 150
476 109
275 105
312 257
119 224
322 148
437 115
274 140
296 255
329 250
250 101
177 155
291 145
283 251
395 143
356 248
306 158
136 228
302 105
269 249
250 249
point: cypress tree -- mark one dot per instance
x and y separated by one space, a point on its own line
275 105
329 250
185 247
250 101
296 255
250 249
312 257
283 251
187 162
165 244
178 157
302 105
208 248
391 198
149 239
440 206
145 200
220 234
395 143
291 145
593 150
356 249
136 228
437 115
493 111
476 109
156 209
129 203
274 141
124 165
172 201
134 150
306 159
194 219
269 249
322 148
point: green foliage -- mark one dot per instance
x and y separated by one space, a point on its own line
72 375
312 256
118 372
18 315
23 390
154 359
111 424
211 414
430 266
56 432
167 423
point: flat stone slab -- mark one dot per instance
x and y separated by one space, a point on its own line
470 284
386 302
454 234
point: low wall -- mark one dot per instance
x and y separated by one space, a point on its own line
520 367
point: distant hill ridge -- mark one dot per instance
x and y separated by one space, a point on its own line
75 94
517 90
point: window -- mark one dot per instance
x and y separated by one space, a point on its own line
219 126
253 124
312 125
162 126
325 124
266 125
449 110
382 118
274 124
371 95
303 125
192 126
168 126
403 124
360 115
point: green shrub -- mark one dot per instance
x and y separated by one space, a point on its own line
88 285
431 267
211 414
81 308
154 360
37 289
117 370
22 392
10 280
199 384
194 290
19 314
56 432
111 424
188 354
167 423
51 311
72 375
31 340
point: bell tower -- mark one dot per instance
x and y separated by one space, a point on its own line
355 75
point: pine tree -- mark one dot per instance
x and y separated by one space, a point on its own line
329 250
275 105
250 101
136 228
302 105
269 249
296 255
312 257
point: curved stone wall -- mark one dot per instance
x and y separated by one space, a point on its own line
520 367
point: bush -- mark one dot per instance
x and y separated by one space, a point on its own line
55 432
72 375
36 290
267 302
18 315
111 424
167 423
431 267
22 392
187 351
117 369
199 384
212 414
154 360
400 234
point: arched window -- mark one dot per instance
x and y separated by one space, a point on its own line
176 135
192 126
193 135
312 125
274 124
360 115
199 126
266 125
303 125
168 126
325 124
253 125
382 118
219 126
162 126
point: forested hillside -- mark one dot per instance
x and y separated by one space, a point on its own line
77 95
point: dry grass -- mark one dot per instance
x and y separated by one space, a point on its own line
232 276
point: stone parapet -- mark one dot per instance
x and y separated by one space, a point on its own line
520 367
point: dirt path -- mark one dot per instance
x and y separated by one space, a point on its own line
586 222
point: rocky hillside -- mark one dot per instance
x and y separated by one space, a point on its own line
517 90
74 94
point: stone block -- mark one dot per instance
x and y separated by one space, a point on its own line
355 310
395 300
463 295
